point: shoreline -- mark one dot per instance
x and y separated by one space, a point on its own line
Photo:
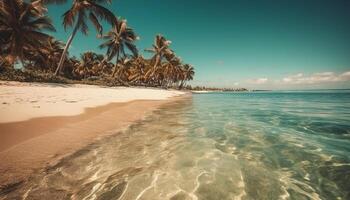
21 101
52 138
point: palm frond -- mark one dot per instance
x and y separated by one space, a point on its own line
95 22
42 23
103 13
53 1
82 23
132 47
150 50
69 18
103 1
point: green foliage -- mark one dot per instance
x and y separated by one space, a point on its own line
41 59
10 74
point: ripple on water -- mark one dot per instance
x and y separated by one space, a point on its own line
241 146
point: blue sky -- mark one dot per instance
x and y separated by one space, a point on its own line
259 44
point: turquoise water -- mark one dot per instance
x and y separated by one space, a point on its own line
288 144
261 145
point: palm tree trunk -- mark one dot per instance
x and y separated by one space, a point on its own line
102 63
155 65
63 57
181 84
116 65
151 72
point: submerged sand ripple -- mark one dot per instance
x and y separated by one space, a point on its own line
178 153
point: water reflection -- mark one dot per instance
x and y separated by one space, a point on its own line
210 147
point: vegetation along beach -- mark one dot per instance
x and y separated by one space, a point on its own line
188 99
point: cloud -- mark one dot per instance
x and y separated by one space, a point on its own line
345 76
258 81
316 78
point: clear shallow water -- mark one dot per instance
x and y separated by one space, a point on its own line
285 145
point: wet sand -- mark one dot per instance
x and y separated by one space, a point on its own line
211 146
30 145
113 156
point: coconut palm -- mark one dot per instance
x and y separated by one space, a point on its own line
119 38
160 48
122 70
78 14
138 70
176 71
49 54
98 64
105 67
188 74
172 72
39 5
21 27
46 57
54 50
71 65
83 69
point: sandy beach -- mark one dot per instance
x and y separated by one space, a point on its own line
134 100
41 123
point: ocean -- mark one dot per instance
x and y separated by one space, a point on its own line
244 145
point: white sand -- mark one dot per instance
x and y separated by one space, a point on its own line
23 101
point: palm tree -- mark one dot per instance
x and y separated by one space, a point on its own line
188 73
21 29
70 67
160 48
50 53
107 68
78 13
39 5
85 65
118 38
54 50
173 71
98 64
122 70
138 70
